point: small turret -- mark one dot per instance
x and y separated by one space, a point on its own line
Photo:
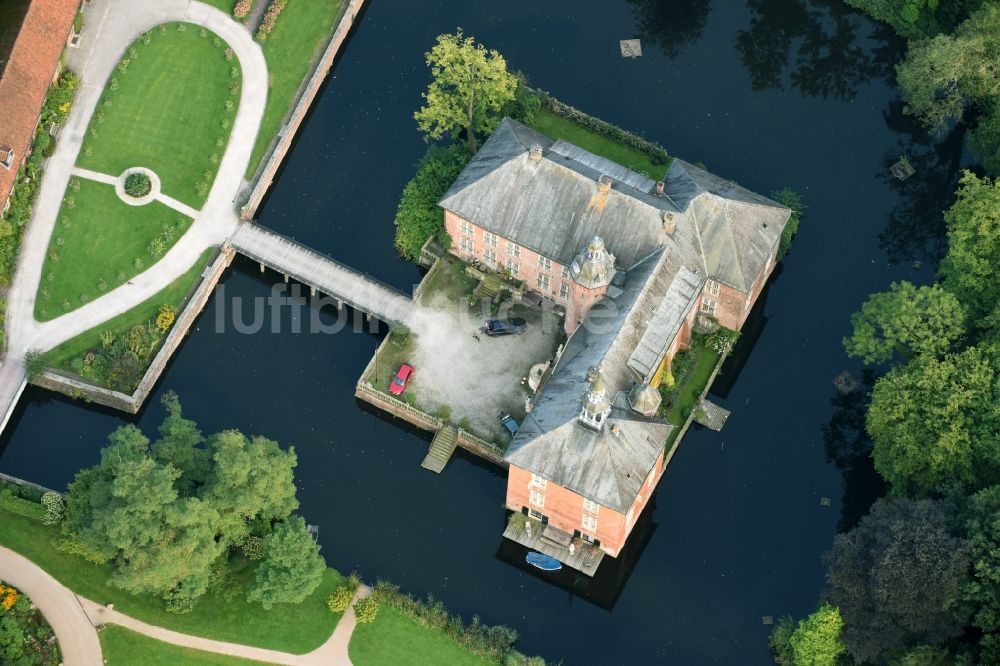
644 399
593 266
596 406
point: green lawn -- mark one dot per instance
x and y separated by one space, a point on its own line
125 647
224 5
173 295
290 628
689 392
557 127
397 640
291 50
100 248
169 112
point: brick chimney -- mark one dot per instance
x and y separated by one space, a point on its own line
535 152
668 223
658 190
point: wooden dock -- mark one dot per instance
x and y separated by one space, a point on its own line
321 273
711 415
442 447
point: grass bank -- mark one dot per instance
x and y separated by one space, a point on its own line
558 127
291 51
174 295
126 648
98 243
220 615
169 107
690 389
394 638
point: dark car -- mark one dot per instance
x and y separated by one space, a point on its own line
508 422
497 327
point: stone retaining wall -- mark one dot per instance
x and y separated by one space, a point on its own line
287 132
75 387
398 408
690 418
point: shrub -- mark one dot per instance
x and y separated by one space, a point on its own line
137 185
792 200
340 599
270 18
242 9
165 318
366 610
34 364
54 508
21 506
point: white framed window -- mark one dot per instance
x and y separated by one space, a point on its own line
537 515
712 287
6 156
538 480
708 305
564 290
513 267
489 239
466 227
468 245
649 478
542 281
638 498
565 272
630 517
513 249
589 523
538 499
545 263
591 506
490 256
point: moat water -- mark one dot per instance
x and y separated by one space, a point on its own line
773 93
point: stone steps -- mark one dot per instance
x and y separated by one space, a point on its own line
442 447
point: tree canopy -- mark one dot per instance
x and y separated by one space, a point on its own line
981 594
470 86
165 515
292 566
907 320
915 19
893 575
934 423
816 639
969 270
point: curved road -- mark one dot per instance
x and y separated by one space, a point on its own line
77 636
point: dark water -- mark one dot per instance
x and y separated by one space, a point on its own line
773 93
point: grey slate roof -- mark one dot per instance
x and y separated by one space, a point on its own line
605 467
549 205
665 323
736 227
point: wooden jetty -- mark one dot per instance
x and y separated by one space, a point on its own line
442 447
321 273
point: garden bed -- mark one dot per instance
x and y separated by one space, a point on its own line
26 639
71 356
99 242
168 106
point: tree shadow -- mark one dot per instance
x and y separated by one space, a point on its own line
671 24
848 447
916 230
836 49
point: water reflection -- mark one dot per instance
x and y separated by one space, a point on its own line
915 230
670 24
830 58
849 447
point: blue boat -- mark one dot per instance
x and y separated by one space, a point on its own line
543 562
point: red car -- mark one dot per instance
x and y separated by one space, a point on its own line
398 384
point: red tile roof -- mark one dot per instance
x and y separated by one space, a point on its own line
27 76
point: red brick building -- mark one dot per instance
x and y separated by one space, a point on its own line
33 65
633 263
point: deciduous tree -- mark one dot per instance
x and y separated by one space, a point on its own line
470 86
981 594
969 269
893 575
419 217
907 320
292 566
816 640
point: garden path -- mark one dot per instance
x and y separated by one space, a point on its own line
114 24
181 208
332 653
76 635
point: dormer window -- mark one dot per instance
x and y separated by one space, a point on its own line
6 156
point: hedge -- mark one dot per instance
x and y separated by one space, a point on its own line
21 506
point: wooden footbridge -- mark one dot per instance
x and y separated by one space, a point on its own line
321 273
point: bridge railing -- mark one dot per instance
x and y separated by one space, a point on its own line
402 409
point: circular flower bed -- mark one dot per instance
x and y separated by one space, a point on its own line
137 185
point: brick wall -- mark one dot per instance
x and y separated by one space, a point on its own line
548 278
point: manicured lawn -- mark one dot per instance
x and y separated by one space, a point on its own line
224 5
169 112
125 647
290 628
394 638
690 390
100 248
557 127
173 295
291 50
